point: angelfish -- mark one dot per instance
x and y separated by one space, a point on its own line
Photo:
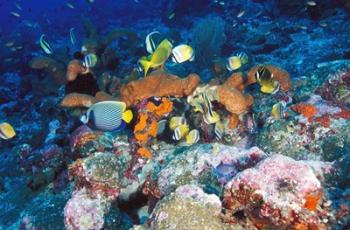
108 115
45 45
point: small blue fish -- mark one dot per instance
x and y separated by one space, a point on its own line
108 115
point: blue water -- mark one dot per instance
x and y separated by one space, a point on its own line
300 37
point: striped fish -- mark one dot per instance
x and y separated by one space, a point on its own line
152 41
219 130
108 115
45 45
192 137
73 38
90 60
210 116
180 132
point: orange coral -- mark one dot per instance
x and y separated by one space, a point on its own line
73 100
233 121
144 152
311 201
103 96
74 68
279 75
142 122
233 100
158 84
164 108
307 110
153 129
236 80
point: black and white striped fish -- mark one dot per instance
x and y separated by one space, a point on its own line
152 41
108 115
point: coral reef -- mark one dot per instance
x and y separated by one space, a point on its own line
289 196
158 84
54 68
74 100
188 207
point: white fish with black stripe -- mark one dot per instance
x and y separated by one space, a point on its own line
108 115
152 41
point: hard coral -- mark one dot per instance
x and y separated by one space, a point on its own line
84 212
52 67
74 100
233 100
279 75
279 191
158 84
74 68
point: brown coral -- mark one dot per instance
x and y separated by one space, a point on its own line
158 84
74 100
279 75
52 67
234 101
74 68
236 80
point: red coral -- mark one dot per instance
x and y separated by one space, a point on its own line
307 110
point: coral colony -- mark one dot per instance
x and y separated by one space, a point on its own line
211 115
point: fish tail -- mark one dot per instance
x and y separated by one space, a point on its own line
146 65
127 116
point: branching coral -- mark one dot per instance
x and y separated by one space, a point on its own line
158 84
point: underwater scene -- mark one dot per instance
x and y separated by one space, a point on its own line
175 114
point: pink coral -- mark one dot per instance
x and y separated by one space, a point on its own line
84 212
279 191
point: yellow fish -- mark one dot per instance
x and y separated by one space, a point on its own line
192 137
237 61
158 57
266 81
278 110
180 132
182 53
176 121
6 131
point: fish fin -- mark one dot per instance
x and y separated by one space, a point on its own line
146 64
127 116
